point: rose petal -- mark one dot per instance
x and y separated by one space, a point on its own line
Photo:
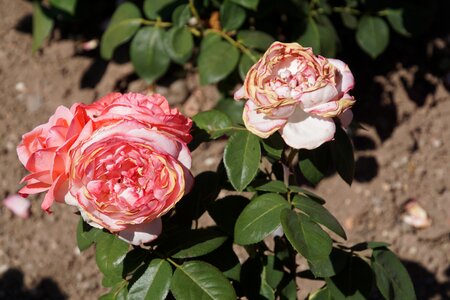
259 123
304 131
142 233
319 96
239 94
346 81
57 192
18 205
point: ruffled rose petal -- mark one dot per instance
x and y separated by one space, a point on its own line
304 131
57 192
319 96
347 81
18 205
142 233
259 123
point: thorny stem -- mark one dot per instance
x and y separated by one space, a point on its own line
233 42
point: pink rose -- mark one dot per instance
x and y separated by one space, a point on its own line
130 165
153 110
44 150
291 90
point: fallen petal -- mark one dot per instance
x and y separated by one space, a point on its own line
18 205
415 215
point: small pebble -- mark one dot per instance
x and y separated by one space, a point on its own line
20 87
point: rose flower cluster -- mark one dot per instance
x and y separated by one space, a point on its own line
297 93
123 161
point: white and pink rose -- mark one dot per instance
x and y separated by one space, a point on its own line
292 91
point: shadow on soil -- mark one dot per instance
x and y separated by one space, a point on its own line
12 287
426 284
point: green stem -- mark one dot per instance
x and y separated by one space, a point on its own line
172 262
291 157
194 10
233 42
157 23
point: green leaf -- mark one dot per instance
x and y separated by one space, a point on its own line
329 39
245 63
205 190
154 283
275 186
318 214
372 35
109 254
119 292
181 15
396 19
273 145
354 282
331 265
225 260
214 122
86 235
272 271
259 218
321 36
306 193
193 243
179 44
66 5
251 4
200 280
391 276
123 25
153 7
231 15
350 21
217 59
225 212
111 280
306 236
311 36
241 158
314 164
289 291
342 154
321 294
255 39
148 55
42 25
232 109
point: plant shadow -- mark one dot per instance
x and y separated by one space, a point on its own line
12 287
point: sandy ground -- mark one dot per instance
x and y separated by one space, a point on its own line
404 154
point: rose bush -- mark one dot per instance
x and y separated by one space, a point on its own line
291 90
127 164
